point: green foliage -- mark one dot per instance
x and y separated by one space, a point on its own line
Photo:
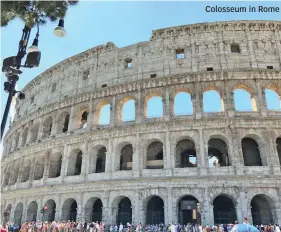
32 12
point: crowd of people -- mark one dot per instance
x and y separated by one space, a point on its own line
71 226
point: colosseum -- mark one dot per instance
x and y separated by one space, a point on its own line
58 154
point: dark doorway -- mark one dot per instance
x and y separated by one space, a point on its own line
188 210
73 211
155 211
97 211
100 163
124 211
78 164
278 143
185 154
224 210
251 152
65 124
261 210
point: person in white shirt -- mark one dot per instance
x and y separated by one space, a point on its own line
121 227
173 227
276 228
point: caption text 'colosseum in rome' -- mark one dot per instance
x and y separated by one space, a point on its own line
58 154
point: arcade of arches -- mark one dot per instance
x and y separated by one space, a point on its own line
187 209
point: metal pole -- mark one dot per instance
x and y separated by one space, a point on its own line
14 78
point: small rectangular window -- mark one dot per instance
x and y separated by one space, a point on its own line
32 99
86 74
128 63
152 75
54 87
180 53
210 69
269 67
235 48
66 96
104 85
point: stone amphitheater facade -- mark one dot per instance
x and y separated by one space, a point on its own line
57 155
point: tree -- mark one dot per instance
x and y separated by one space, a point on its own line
33 12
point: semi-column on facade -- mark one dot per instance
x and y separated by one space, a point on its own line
174 168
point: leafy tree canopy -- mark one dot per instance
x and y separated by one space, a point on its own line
32 12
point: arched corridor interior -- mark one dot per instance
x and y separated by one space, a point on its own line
217 153
69 210
186 154
18 214
224 210
126 157
155 155
189 210
155 211
251 152
101 158
50 213
124 211
278 144
97 211
32 211
262 210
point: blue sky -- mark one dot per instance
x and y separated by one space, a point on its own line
93 23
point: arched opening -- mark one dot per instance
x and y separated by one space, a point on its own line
244 101
218 153
24 137
224 210
7 176
25 171
262 208
7 214
154 107
63 122
155 211
155 156
101 159
212 102
278 144
126 157
272 100
84 118
34 132
18 213
128 110
189 210
17 140
69 210
32 212
186 154
39 168
124 211
183 104
47 127
50 213
251 152
55 165
104 117
93 210
75 163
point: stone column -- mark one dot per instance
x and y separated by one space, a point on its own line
139 107
80 208
136 208
198 101
170 206
275 163
194 58
167 113
229 105
208 208
108 161
252 55
46 167
173 155
137 157
40 204
71 125
203 164
40 129
278 46
20 170
85 161
221 53
260 99
244 205
54 123
31 174
90 115
24 210
58 215
113 112
64 162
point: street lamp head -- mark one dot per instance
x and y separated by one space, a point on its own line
34 46
59 30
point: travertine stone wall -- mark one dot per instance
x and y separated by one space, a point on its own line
38 162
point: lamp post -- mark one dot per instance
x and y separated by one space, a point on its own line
11 65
